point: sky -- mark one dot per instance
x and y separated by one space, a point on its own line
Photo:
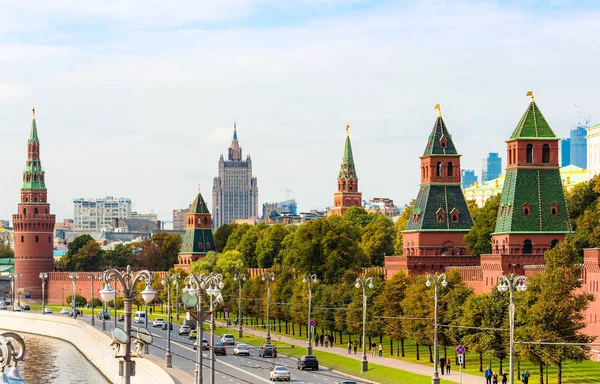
138 98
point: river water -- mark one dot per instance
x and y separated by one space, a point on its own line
55 361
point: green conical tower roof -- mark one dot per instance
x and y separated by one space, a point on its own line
33 175
347 170
533 125
33 135
440 141
198 205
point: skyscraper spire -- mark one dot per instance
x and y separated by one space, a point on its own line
234 131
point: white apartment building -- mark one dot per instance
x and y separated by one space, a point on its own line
593 150
98 214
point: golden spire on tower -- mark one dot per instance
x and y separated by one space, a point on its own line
347 129
439 109
33 113
530 93
198 187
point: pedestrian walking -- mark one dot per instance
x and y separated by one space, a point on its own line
373 346
525 377
495 378
488 376
447 367
316 339
326 341
380 349
355 346
321 338
349 347
443 364
504 378
331 339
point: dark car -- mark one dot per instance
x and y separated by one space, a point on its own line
205 345
308 362
167 324
267 350
26 308
219 349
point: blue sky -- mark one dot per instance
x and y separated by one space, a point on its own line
138 98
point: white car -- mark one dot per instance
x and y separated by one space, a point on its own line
3 306
47 310
280 373
228 339
241 349
158 322
64 311
16 308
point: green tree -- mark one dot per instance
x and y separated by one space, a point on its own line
236 236
205 264
359 217
229 263
6 252
390 300
418 304
88 257
117 257
378 240
553 311
78 242
401 224
269 245
222 235
478 240
79 300
247 244
581 197
168 246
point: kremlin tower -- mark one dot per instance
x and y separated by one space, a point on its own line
347 195
33 224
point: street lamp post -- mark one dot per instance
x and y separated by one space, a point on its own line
43 276
73 277
268 277
240 277
128 282
308 279
93 277
364 282
167 283
436 279
176 284
18 276
198 285
512 283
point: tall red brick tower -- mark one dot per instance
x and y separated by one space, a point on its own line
347 194
33 224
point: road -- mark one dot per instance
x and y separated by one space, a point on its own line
228 369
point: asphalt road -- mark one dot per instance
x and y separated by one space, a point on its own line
230 368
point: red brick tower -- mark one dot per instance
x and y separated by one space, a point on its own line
33 224
347 195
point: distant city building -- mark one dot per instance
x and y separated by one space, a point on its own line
491 167
593 150
480 192
179 219
468 178
347 194
579 147
287 207
381 205
4 223
565 152
235 191
95 214
144 216
66 225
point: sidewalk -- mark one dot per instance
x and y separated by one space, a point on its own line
385 361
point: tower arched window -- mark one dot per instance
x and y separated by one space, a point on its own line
450 169
25 211
438 171
350 185
22 239
37 239
527 247
27 199
526 209
546 154
553 243
529 154
35 211
343 185
35 199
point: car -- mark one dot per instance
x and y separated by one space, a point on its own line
228 339
308 362
16 308
101 315
48 310
193 335
219 349
205 345
121 317
77 312
158 322
65 311
3 306
267 350
280 372
26 308
184 330
167 325
241 349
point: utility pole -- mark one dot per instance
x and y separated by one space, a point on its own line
364 282
308 278
43 276
512 283
436 279
73 277
240 277
268 277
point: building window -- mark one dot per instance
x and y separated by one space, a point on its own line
207 246
37 239
440 216
527 247
554 209
526 210
35 211
49 239
439 169
529 154
450 170
553 243
22 239
546 154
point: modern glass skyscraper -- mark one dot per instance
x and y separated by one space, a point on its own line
235 191
565 152
468 178
491 167
579 147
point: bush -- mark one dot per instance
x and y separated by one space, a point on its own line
112 303
79 300
96 302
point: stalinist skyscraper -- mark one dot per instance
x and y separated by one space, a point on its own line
235 191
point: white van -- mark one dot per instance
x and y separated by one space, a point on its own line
140 317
